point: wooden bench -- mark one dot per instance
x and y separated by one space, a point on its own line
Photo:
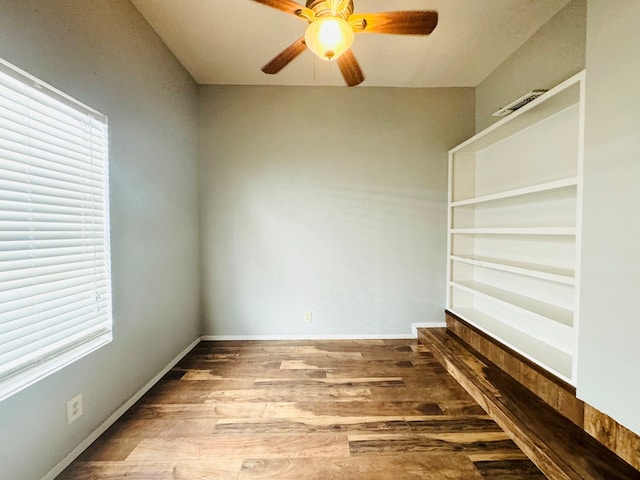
559 448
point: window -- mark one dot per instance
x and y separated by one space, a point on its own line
55 287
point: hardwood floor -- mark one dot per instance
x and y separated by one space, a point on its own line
375 410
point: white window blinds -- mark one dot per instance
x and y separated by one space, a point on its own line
55 290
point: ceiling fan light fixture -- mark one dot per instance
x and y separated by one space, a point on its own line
331 29
329 37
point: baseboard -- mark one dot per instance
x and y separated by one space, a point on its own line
416 326
75 453
386 336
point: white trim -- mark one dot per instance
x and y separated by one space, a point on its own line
416 326
75 453
449 223
579 214
382 336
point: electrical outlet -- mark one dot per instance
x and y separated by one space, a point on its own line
74 409
308 317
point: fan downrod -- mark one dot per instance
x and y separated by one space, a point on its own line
322 8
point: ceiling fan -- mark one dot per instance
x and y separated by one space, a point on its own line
332 25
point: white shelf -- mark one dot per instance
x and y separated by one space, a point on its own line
542 311
551 359
514 221
516 231
543 187
544 272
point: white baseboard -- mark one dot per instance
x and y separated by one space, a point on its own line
387 336
75 453
416 326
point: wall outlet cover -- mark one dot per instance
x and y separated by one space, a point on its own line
74 409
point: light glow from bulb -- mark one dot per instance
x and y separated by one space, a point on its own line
329 37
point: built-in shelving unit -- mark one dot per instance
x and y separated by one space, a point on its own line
514 228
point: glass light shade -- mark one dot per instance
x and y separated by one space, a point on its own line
329 37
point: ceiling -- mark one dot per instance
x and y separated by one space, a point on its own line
226 42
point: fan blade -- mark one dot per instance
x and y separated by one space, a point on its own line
287 6
401 23
350 68
283 58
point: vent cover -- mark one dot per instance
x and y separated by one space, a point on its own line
519 103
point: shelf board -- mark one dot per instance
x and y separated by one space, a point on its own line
559 98
517 231
549 314
542 187
544 272
552 359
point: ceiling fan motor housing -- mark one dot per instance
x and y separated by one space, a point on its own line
322 8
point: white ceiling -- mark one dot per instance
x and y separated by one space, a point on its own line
228 41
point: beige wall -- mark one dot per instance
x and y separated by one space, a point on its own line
551 55
608 355
104 54
330 200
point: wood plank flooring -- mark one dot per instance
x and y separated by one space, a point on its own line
285 410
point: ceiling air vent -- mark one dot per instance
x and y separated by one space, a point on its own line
519 103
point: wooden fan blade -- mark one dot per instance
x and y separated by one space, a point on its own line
350 68
287 6
283 58
400 23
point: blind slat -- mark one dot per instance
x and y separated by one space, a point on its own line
78 209
16 116
43 226
50 258
24 287
43 272
28 131
11 235
13 327
77 165
47 298
10 108
56 192
39 147
24 335
28 164
28 259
